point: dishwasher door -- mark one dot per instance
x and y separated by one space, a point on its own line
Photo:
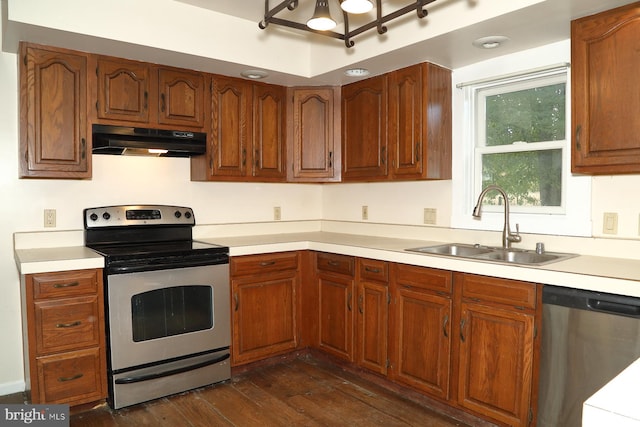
587 339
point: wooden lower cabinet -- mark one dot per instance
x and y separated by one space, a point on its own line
421 329
65 356
336 305
498 348
264 306
372 316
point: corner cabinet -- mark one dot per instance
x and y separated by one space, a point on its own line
314 135
65 356
605 59
54 130
264 306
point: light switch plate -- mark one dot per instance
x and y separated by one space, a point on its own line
277 213
49 217
430 215
610 223
365 213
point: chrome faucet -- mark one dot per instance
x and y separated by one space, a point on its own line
507 236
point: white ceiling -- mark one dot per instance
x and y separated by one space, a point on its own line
531 24
545 22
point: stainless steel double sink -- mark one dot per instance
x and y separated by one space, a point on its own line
495 254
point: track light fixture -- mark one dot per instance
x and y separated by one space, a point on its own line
322 23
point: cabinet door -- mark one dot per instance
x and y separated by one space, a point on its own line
406 121
335 325
53 114
605 59
230 122
496 363
364 130
421 342
123 90
264 316
269 132
315 147
372 326
181 98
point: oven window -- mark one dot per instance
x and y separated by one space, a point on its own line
171 311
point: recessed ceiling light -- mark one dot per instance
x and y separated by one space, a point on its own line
357 72
254 74
490 42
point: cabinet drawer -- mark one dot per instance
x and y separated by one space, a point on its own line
495 290
371 269
432 279
342 264
65 324
65 283
255 264
71 377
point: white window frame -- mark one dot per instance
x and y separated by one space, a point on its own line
478 94
574 217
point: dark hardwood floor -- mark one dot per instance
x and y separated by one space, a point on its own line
300 392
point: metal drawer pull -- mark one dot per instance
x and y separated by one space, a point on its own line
349 301
235 298
68 325
462 330
75 377
66 285
360 304
333 263
372 270
266 263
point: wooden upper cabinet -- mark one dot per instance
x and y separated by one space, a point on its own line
269 132
314 129
398 126
143 93
230 123
420 122
53 113
605 59
123 90
181 97
364 130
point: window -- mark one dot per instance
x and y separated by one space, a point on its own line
520 138
514 131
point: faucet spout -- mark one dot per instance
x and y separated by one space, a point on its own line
507 236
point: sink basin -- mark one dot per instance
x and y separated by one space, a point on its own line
487 253
523 257
454 249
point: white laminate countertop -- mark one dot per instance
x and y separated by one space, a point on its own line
603 274
615 404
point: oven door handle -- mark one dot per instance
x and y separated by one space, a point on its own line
141 378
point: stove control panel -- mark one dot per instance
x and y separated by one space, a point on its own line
137 215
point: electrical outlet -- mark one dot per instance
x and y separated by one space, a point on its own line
49 217
430 216
277 213
365 212
610 223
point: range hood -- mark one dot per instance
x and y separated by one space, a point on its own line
123 140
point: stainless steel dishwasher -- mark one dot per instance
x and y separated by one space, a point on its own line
587 339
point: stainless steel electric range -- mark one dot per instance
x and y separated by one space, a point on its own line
167 301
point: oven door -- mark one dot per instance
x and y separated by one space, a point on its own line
160 316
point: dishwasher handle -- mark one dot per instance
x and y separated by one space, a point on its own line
613 307
581 299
